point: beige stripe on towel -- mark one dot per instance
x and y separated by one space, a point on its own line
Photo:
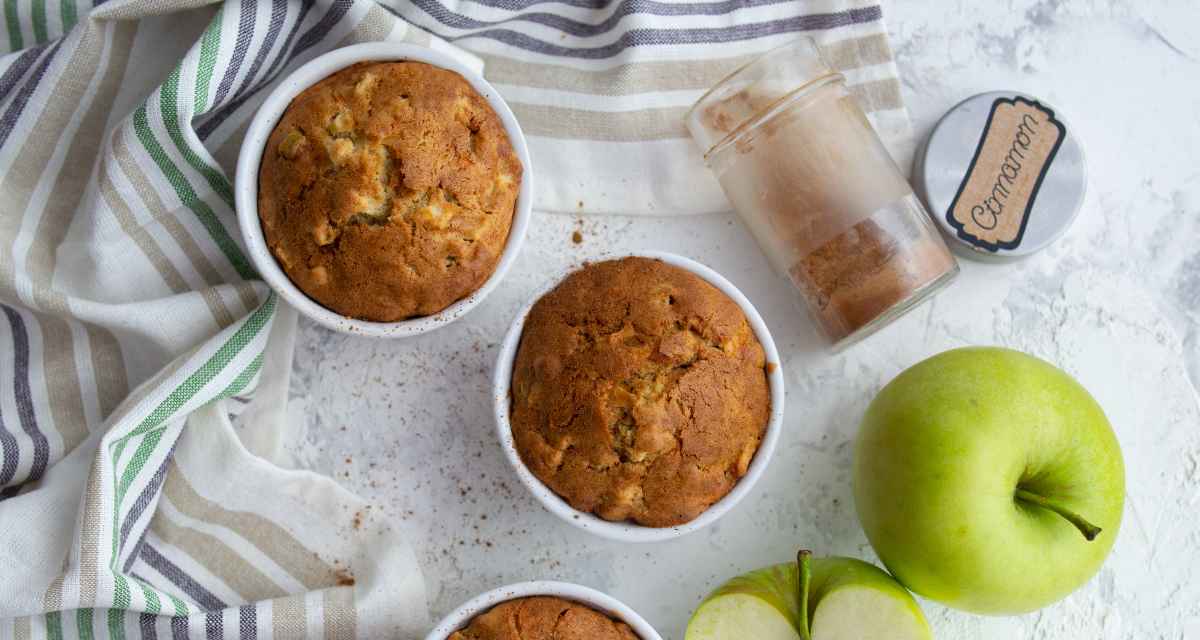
89 543
288 618
218 558
665 75
273 540
657 123
174 228
21 628
341 619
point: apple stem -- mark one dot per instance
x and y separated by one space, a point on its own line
1089 530
804 566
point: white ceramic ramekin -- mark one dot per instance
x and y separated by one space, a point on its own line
461 616
628 531
246 189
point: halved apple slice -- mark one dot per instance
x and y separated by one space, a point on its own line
846 599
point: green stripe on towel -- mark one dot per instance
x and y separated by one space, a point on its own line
208 218
210 44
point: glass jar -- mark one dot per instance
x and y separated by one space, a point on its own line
812 181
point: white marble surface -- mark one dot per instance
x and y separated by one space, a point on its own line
1116 303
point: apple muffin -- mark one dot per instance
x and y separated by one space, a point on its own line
387 190
543 618
639 392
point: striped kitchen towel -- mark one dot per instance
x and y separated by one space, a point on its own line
144 366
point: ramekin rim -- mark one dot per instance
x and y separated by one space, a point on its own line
581 594
250 158
628 531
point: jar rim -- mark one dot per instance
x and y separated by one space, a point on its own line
781 75
770 111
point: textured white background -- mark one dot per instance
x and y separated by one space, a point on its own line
1116 302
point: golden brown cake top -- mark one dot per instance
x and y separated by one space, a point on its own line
543 618
639 392
387 190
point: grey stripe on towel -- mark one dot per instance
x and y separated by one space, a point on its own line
186 583
9 119
706 35
245 33
584 29
24 394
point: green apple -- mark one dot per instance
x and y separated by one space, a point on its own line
988 480
845 599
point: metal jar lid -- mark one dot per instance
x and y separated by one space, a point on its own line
1003 175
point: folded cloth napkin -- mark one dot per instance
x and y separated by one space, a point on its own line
144 366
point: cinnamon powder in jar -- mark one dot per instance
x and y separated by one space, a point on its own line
862 273
813 183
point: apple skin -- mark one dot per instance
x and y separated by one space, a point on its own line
940 454
779 586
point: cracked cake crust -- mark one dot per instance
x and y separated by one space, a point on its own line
639 392
543 618
387 190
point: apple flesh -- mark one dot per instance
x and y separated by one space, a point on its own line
858 601
988 480
761 604
846 599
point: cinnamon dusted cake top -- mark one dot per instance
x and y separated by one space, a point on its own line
543 618
639 392
387 190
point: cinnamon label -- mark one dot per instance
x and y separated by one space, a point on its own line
1016 149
